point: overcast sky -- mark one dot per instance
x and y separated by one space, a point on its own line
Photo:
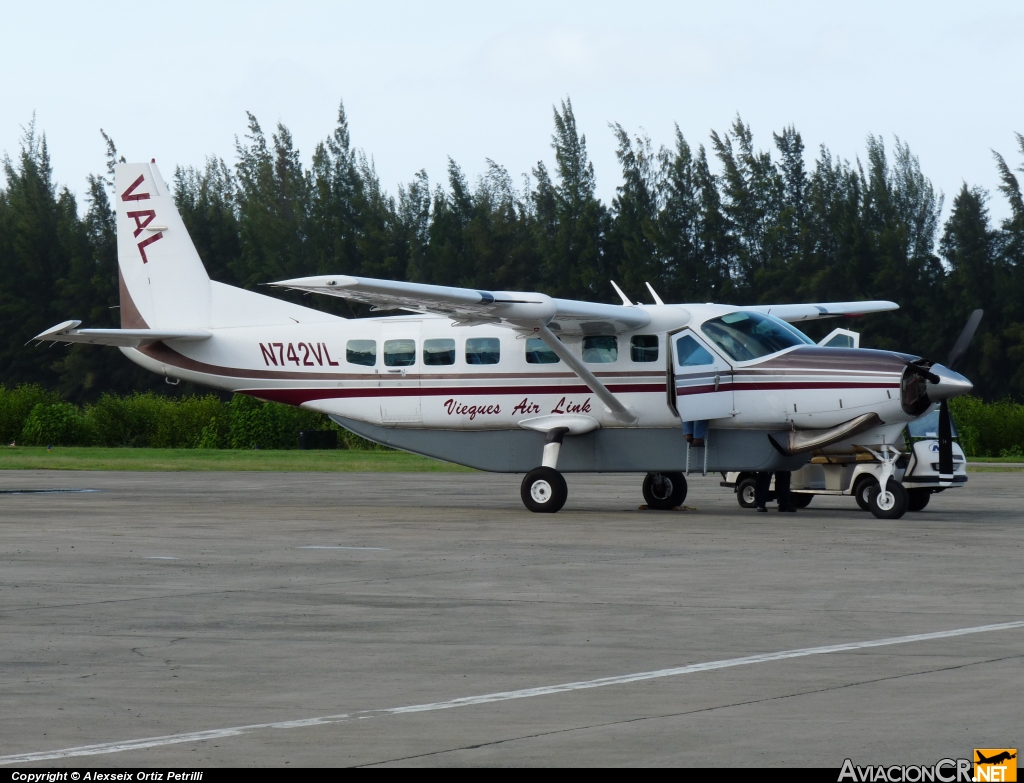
424 81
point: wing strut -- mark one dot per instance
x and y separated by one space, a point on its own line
618 410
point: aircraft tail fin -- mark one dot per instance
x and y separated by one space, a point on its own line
163 281
164 285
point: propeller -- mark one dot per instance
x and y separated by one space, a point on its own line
957 353
964 340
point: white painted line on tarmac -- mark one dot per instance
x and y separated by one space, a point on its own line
489 698
43 491
373 548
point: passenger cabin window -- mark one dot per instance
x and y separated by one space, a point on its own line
600 350
643 348
483 350
362 352
399 353
438 352
746 336
537 352
691 353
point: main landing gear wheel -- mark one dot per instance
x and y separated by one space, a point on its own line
746 491
891 504
664 491
861 489
544 490
918 499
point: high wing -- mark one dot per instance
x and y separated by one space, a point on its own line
810 312
468 306
68 332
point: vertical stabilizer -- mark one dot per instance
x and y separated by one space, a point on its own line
164 284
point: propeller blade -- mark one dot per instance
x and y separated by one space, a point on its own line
964 340
945 443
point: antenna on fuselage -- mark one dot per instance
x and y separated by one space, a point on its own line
622 296
657 299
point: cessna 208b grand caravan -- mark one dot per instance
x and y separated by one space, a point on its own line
514 381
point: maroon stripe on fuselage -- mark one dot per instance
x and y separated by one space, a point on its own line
299 396
727 387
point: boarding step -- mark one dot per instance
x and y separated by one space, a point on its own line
702 448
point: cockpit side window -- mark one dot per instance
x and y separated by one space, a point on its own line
691 353
745 336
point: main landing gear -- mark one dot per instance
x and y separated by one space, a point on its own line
664 491
543 490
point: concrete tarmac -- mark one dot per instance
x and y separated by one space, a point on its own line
167 604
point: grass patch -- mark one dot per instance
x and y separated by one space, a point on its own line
342 460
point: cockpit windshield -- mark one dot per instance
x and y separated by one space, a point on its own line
745 336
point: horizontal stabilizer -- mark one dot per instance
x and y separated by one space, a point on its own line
811 312
68 332
469 306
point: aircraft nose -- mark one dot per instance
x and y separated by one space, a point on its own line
951 384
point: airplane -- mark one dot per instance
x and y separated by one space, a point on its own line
518 381
996 759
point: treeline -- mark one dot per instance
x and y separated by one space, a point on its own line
730 222
33 416
989 429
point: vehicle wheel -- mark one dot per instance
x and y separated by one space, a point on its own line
801 499
918 499
891 504
745 491
860 491
544 490
664 491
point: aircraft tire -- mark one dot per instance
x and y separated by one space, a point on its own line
900 500
544 490
918 499
666 494
861 489
745 490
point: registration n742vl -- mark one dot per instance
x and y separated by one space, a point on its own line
518 381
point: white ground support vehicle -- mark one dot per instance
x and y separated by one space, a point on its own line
914 474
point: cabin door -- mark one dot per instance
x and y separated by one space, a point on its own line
400 366
702 379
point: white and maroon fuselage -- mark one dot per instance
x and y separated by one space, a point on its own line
807 387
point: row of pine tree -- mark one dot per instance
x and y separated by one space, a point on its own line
727 222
